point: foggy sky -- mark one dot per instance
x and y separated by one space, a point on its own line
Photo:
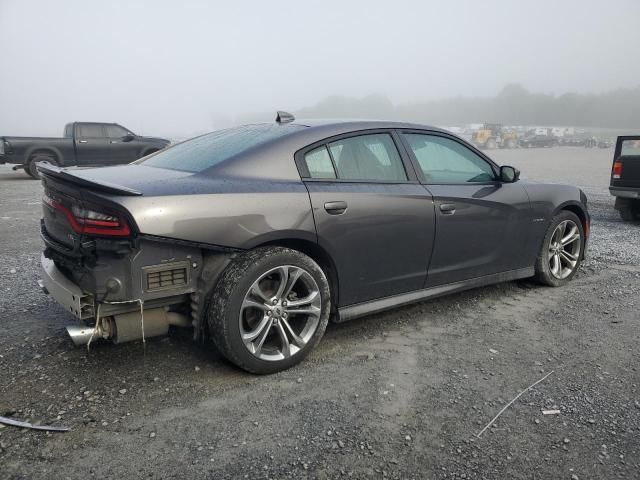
177 68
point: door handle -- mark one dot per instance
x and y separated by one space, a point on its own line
114 141
448 208
335 208
82 141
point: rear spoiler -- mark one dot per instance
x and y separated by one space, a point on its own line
54 171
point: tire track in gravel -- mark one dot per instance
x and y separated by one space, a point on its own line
414 367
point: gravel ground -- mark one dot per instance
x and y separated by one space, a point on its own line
396 395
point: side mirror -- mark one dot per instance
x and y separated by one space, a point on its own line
128 137
509 174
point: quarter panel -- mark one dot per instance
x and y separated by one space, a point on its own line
23 148
242 218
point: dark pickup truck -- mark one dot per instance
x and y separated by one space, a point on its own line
84 144
538 141
625 177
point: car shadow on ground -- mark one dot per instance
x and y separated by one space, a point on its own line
16 176
170 354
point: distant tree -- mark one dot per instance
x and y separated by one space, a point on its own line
513 105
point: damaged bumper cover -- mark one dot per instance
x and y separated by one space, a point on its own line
118 327
64 291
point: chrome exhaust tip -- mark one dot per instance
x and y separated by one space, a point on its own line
80 335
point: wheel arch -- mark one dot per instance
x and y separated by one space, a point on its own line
579 210
45 151
318 255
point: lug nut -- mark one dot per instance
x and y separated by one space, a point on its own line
275 301
269 313
284 303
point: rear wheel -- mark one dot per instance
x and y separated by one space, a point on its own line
269 309
629 213
31 169
491 144
562 250
628 208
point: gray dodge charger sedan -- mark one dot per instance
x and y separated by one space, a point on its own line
256 236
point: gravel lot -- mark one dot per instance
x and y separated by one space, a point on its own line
396 395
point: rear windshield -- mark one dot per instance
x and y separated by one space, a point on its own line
630 147
203 152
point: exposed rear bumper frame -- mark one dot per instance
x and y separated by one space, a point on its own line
64 291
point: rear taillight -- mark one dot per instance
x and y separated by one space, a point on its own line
587 228
616 172
90 222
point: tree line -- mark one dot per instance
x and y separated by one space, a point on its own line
514 105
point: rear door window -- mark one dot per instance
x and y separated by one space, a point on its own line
319 163
372 157
90 130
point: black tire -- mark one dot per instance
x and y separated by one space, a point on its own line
628 208
543 273
223 314
31 169
628 214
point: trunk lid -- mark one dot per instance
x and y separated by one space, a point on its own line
103 190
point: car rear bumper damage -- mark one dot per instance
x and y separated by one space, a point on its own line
107 323
64 291
159 296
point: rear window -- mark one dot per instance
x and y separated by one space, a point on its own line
203 152
630 147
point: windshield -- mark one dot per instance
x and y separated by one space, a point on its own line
203 152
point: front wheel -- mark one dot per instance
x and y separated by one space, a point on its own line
269 309
562 250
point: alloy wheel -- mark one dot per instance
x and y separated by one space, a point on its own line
280 313
564 249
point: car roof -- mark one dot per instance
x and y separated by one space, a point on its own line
277 152
315 130
360 124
